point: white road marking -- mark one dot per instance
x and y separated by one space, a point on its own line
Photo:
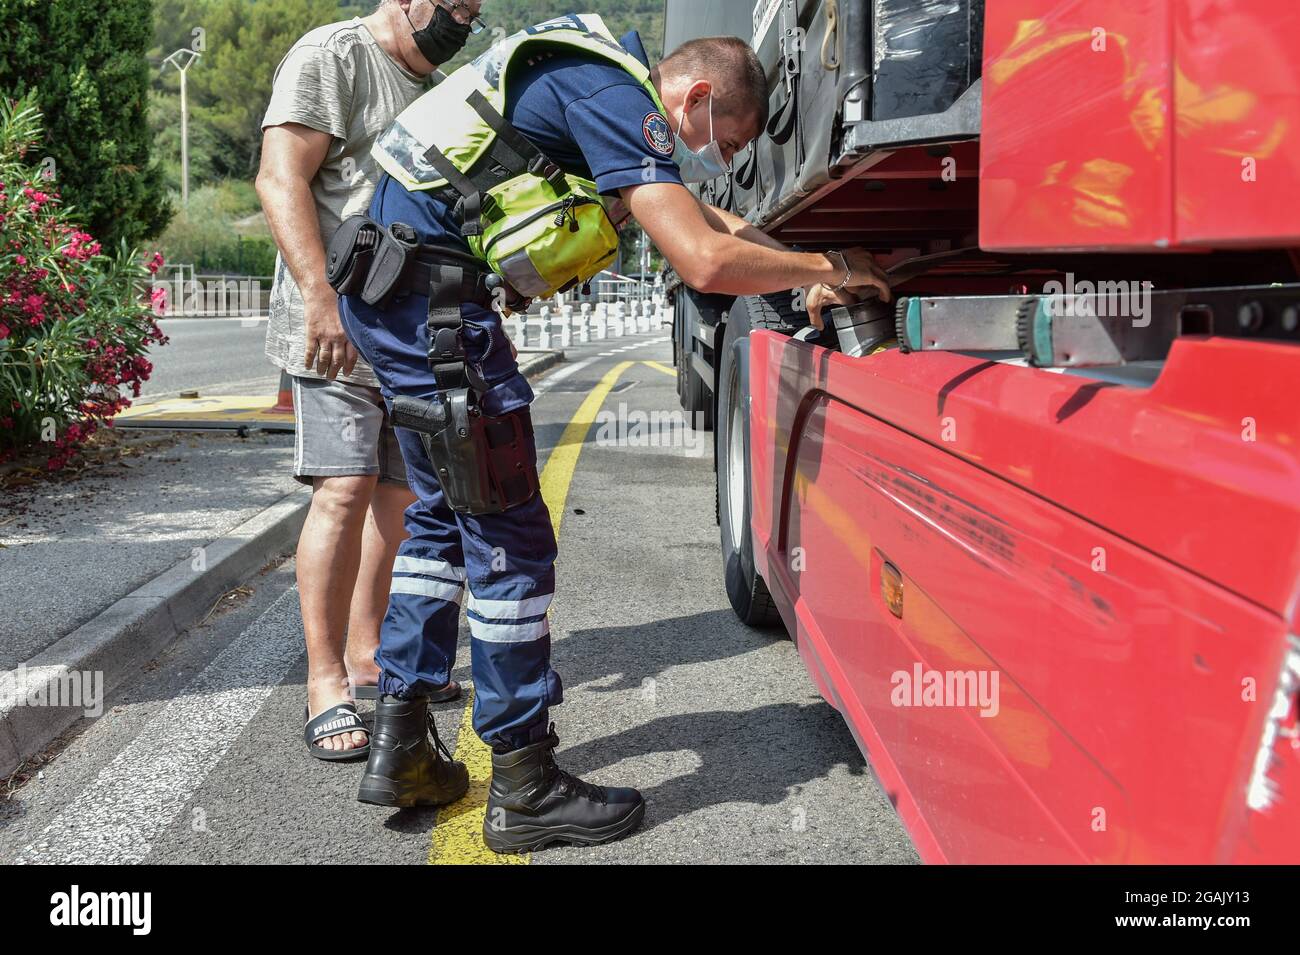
140 793
194 319
565 371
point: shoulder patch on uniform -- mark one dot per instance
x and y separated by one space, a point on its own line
657 133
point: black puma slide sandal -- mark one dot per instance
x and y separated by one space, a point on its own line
335 721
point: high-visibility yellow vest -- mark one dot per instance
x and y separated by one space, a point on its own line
541 229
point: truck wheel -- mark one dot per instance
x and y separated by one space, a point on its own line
746 590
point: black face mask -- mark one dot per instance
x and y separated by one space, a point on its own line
442 39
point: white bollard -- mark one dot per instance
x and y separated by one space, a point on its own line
584 324
602 321
617 321
544 336
566 326
521 331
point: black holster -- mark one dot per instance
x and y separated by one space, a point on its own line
485 465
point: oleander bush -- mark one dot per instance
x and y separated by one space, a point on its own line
76 321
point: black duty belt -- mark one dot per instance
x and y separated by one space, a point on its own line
449 281
382 265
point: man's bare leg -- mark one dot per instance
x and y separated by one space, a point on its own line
384 532
329 558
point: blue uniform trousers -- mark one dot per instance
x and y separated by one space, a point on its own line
499 567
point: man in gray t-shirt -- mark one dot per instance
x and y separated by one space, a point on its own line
335 91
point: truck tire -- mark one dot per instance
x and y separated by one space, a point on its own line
746 589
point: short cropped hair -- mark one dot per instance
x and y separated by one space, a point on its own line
732 66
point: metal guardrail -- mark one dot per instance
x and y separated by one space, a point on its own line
622 289
610 287
191 294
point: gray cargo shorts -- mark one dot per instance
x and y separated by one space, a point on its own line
343 430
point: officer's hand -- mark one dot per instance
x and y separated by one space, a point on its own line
817 298
868 277
328 349
868 280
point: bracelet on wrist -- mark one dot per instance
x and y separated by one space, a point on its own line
848 273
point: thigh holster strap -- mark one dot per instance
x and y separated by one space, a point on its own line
485 465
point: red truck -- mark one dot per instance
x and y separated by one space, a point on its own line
1034 527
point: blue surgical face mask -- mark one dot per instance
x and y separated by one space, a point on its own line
699 165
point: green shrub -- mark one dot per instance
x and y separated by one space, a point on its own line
212 234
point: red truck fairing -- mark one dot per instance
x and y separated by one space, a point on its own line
1120 556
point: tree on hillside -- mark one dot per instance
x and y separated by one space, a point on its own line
242 42
85 60
510 16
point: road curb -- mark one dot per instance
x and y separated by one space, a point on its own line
532 362
117 642
138 627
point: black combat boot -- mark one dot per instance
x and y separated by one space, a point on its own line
404 769
532 802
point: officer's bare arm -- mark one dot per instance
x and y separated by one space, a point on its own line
716 260
732 224
291 156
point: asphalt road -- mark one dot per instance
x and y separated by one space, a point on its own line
201 759
207 353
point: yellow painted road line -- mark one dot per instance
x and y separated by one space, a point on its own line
660 366
215 411
457 837
558 473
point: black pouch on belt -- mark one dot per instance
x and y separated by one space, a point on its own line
397 247
350 254
485 465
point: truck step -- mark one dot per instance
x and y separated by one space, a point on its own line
1096 328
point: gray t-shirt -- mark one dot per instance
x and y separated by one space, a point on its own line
338 80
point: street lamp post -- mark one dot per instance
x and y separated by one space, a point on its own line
190 56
